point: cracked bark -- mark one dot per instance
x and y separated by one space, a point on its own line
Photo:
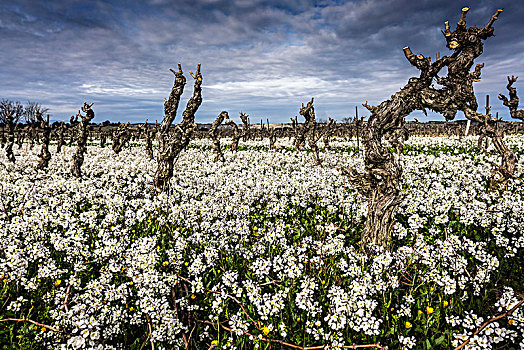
148 135
309 130
272 136
60 133
45 155
246 128
81 147
237 134
120 137
170 146
328 131
380 182
214 135
10 126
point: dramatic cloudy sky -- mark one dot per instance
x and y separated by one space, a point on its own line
262 57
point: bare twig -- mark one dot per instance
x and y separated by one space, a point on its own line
240 304
281 342
33 322
484 325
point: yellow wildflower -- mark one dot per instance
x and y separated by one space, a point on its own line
408 325
57 282
445 303
430 310
265 330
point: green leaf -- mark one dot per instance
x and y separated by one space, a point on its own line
440 339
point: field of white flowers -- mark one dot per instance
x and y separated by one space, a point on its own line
260 251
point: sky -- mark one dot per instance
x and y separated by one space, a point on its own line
264 58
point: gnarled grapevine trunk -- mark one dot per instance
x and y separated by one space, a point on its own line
213 133
170 145
271 135
120 137
381 180
237 134
45 155
10 114
60 132
148 135
328 131
309 131
246 128
10 126
81 137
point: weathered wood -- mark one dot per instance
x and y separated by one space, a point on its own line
237 134
81 138
213 134
45 155
148 135
120 137
381 180
60 134
309 131
170 146
246 128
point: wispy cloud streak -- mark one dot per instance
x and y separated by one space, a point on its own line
262 57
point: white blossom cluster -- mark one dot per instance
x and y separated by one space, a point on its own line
109 257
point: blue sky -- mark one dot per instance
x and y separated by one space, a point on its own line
264 58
